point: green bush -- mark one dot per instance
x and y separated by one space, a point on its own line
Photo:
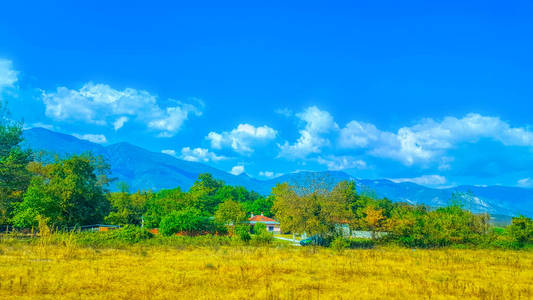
263 238
188 220
259 228
122 237
361 243
131 234
243 232
339 243
521 230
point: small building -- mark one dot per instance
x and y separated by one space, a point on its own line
271 224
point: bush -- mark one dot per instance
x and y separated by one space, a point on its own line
259 228
243 232
261 235
361 244
190 241
122 237
188 220
521 230
131 234
263 238
340 243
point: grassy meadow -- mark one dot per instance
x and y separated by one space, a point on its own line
64 270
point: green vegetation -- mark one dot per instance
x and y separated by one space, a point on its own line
72 192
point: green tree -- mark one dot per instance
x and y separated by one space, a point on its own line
315 208
162 203
521 230
126 208
14 177
229 212
260 205
203 193
189 220
68 193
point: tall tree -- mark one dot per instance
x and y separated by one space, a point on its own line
14 177
315 209
229 212
69 194
203 193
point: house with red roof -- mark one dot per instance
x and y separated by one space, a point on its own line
271 224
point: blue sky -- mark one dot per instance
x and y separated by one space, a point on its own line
434 93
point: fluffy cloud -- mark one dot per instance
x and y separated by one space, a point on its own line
431 180
169 152
430 139
95 138
242 138
100 104
237 170
526 182
336 163
8 76
317 124
199 155
120 122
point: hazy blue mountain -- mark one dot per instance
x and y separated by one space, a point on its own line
143 170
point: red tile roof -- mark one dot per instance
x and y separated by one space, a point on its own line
261 219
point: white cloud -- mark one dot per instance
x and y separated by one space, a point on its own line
429 139
95 138
169 152
359 135
120 122
100 104
237 170
431 180
336 163
317 123
526 182
199 155
269 174
171 122
284 112
8 76
242 138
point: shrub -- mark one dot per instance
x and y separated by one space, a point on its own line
339 243
263 239
131 234
521 230
243 232
259 228
361 244
122 237
187 220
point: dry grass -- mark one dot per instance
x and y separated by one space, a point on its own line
66 271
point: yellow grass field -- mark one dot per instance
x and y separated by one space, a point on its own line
69 272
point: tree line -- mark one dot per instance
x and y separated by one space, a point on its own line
74 191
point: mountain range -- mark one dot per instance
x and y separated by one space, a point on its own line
142 169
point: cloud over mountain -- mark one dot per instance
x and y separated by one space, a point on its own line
101 104
242 139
